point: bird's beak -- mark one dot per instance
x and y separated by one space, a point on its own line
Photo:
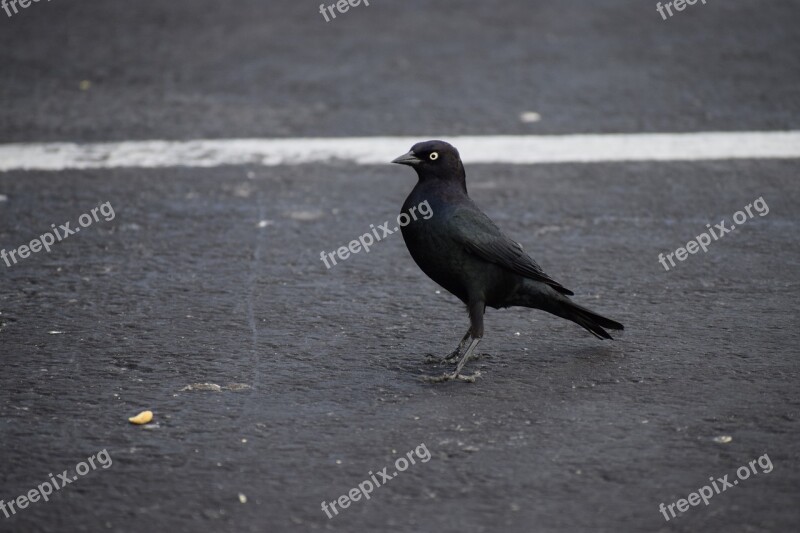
407 159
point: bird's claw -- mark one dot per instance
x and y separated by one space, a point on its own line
453 377
452 356
431 359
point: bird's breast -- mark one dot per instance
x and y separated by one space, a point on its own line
438 256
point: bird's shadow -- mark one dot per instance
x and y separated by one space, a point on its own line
429 366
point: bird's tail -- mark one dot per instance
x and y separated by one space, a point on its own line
591 321
540 296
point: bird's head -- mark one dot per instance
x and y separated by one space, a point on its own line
434 160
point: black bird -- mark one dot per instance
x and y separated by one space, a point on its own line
462 250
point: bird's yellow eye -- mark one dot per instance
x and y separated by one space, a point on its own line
434 156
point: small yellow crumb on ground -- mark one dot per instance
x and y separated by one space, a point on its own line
142 418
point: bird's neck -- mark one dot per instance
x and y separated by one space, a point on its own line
449 179
439 193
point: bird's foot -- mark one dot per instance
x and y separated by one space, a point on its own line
453 377
431 359
452 356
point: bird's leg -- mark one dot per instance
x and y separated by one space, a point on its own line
452 355
466 357
476 310
455 353
457 374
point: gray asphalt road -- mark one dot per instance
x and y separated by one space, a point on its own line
201 68
214 275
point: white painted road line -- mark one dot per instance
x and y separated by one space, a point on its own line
508 149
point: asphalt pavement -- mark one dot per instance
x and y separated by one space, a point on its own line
277 384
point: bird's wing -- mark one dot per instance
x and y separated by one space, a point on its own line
481 237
